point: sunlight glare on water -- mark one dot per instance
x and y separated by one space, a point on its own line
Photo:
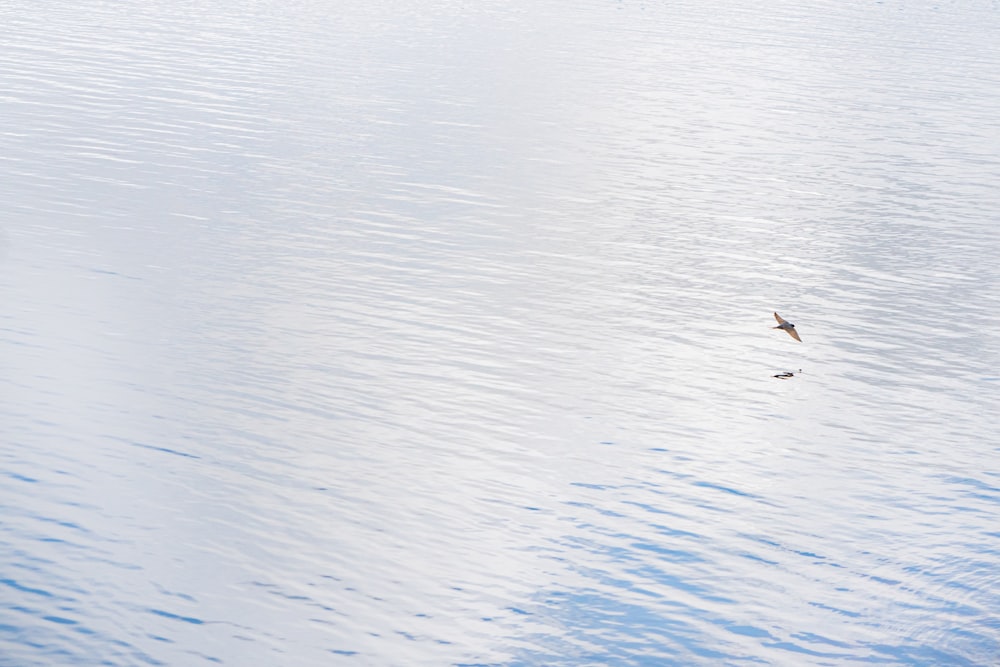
437 334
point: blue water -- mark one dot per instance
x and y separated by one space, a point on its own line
440 334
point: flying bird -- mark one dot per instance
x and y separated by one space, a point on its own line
787 326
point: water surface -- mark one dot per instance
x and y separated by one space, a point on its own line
436 334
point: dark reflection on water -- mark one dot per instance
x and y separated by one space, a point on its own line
427 335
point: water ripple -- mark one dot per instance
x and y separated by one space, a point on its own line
429 335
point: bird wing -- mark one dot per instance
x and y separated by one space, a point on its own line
778 317
794 334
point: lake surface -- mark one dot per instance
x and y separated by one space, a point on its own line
438 333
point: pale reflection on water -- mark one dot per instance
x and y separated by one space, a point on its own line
429 335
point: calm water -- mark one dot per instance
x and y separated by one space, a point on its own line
437 333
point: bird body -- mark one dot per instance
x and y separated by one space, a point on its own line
787 327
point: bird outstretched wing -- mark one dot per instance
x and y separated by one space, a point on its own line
778 317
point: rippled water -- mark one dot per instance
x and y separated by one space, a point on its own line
439 334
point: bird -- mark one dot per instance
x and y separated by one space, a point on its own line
787 326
